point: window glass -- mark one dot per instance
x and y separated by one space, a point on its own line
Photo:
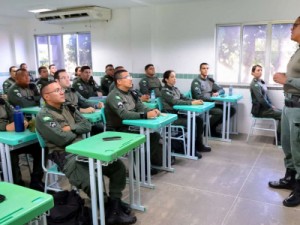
84 45
228 53
42 50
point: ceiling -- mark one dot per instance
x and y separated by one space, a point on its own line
19 8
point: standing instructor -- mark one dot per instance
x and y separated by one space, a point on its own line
290 123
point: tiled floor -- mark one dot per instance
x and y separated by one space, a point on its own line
228 186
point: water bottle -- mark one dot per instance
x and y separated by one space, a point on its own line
152 96
230 90
19 119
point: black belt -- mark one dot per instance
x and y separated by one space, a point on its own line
292 103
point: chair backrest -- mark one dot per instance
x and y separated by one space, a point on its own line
188 94
40 139
159 103
103 118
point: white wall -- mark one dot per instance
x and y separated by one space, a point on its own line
174 36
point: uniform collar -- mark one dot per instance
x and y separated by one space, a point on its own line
55 109
169 87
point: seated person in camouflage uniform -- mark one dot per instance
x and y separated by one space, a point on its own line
7 124
11 80
24 66
107 79
261 103
171 96
23 93
204 87
62 124
72 96
123 103
77 73
150 82
52 70
86 85
43 72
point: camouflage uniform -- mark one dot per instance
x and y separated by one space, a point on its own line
7 84
122 105
147 84
203 89
49 123
6 117
261 103
24 97
171 96
86 89
106 81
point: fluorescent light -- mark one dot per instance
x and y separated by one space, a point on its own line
39 10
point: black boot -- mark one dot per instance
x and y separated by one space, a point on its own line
124 206
36 182
294 198
288 182
115 214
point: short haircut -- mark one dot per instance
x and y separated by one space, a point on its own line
167 75
77 68
44 87
117 75
56 74
19 72
148 65
109 65
119 68
203 64
10 68
22 64
41 68
51 66
83 68
254 67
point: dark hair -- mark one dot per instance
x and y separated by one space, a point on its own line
117 75
56 74
41 68
44 85
203 64
119 68
167 75
109 65
22 64
10 68
254 67
83 68
148 65
76 69
51 66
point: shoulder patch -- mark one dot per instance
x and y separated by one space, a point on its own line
196 82
120 105
169 93
52 124
19 95
118 97
16 90
196 88
255 85
144 81
46 118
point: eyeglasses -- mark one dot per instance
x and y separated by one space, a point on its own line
295 25
129 77
57 91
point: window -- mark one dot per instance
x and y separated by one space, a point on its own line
64 50
239 47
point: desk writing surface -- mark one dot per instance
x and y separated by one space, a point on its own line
22 204
155 123
93 117
94 147
16 138
31 110
196 108
227 98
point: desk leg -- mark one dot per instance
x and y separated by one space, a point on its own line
228 121
194 136
148 153
4 163
135 192
8 164
224 121
189 132
100 192
166 154
93 192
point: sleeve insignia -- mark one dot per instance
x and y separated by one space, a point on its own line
196 88
19 95
120 105
52 124
80 88
46 118
255 85
118 97
196 82
16 90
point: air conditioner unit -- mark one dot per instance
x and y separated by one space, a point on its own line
68 15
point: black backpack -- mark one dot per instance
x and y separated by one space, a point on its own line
69 209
